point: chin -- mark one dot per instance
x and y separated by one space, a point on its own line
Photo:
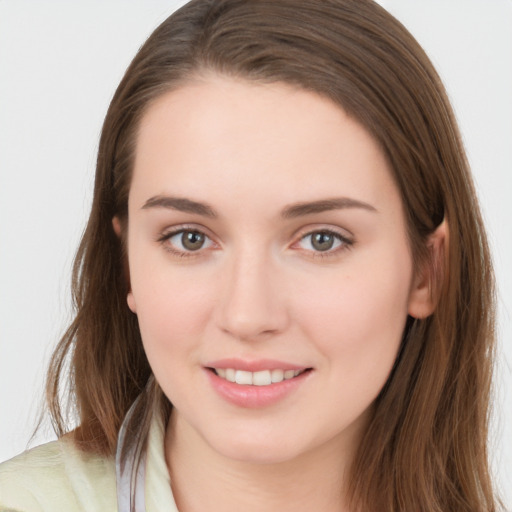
256 449
259 456
252 449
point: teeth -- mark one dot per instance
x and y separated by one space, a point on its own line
242 377
261 378
277 375
289 374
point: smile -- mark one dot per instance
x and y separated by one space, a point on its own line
260 378
264 386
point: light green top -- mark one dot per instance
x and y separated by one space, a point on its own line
57 477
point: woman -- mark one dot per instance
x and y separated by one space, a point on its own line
269 251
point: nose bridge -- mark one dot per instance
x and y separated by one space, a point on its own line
252 303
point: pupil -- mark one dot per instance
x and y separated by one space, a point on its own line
192 240
322 241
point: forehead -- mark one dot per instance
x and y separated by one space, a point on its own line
220 137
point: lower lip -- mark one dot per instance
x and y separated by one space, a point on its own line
253 397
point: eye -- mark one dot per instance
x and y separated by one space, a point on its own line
323 241
186 241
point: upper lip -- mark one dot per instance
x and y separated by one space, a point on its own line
256 365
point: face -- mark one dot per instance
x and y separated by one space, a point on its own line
270 268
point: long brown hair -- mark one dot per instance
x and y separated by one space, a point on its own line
425 448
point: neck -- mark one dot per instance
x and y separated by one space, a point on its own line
203 479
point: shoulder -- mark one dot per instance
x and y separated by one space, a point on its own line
57 476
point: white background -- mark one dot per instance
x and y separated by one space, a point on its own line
60 62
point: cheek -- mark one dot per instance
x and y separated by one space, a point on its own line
171 315
173 307
357 318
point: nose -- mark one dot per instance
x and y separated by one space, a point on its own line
252 304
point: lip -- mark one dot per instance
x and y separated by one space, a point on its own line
254 397
254 366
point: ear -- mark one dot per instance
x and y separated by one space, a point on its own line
130 299
116 225
424 293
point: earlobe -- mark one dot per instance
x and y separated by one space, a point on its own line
116 225
130 299
428 281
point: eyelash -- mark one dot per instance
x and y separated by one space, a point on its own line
167 235
345 243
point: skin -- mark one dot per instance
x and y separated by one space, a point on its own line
258 288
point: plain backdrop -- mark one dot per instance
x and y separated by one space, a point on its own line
60 62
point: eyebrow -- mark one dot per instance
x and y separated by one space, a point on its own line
181 204
292 211
324 205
